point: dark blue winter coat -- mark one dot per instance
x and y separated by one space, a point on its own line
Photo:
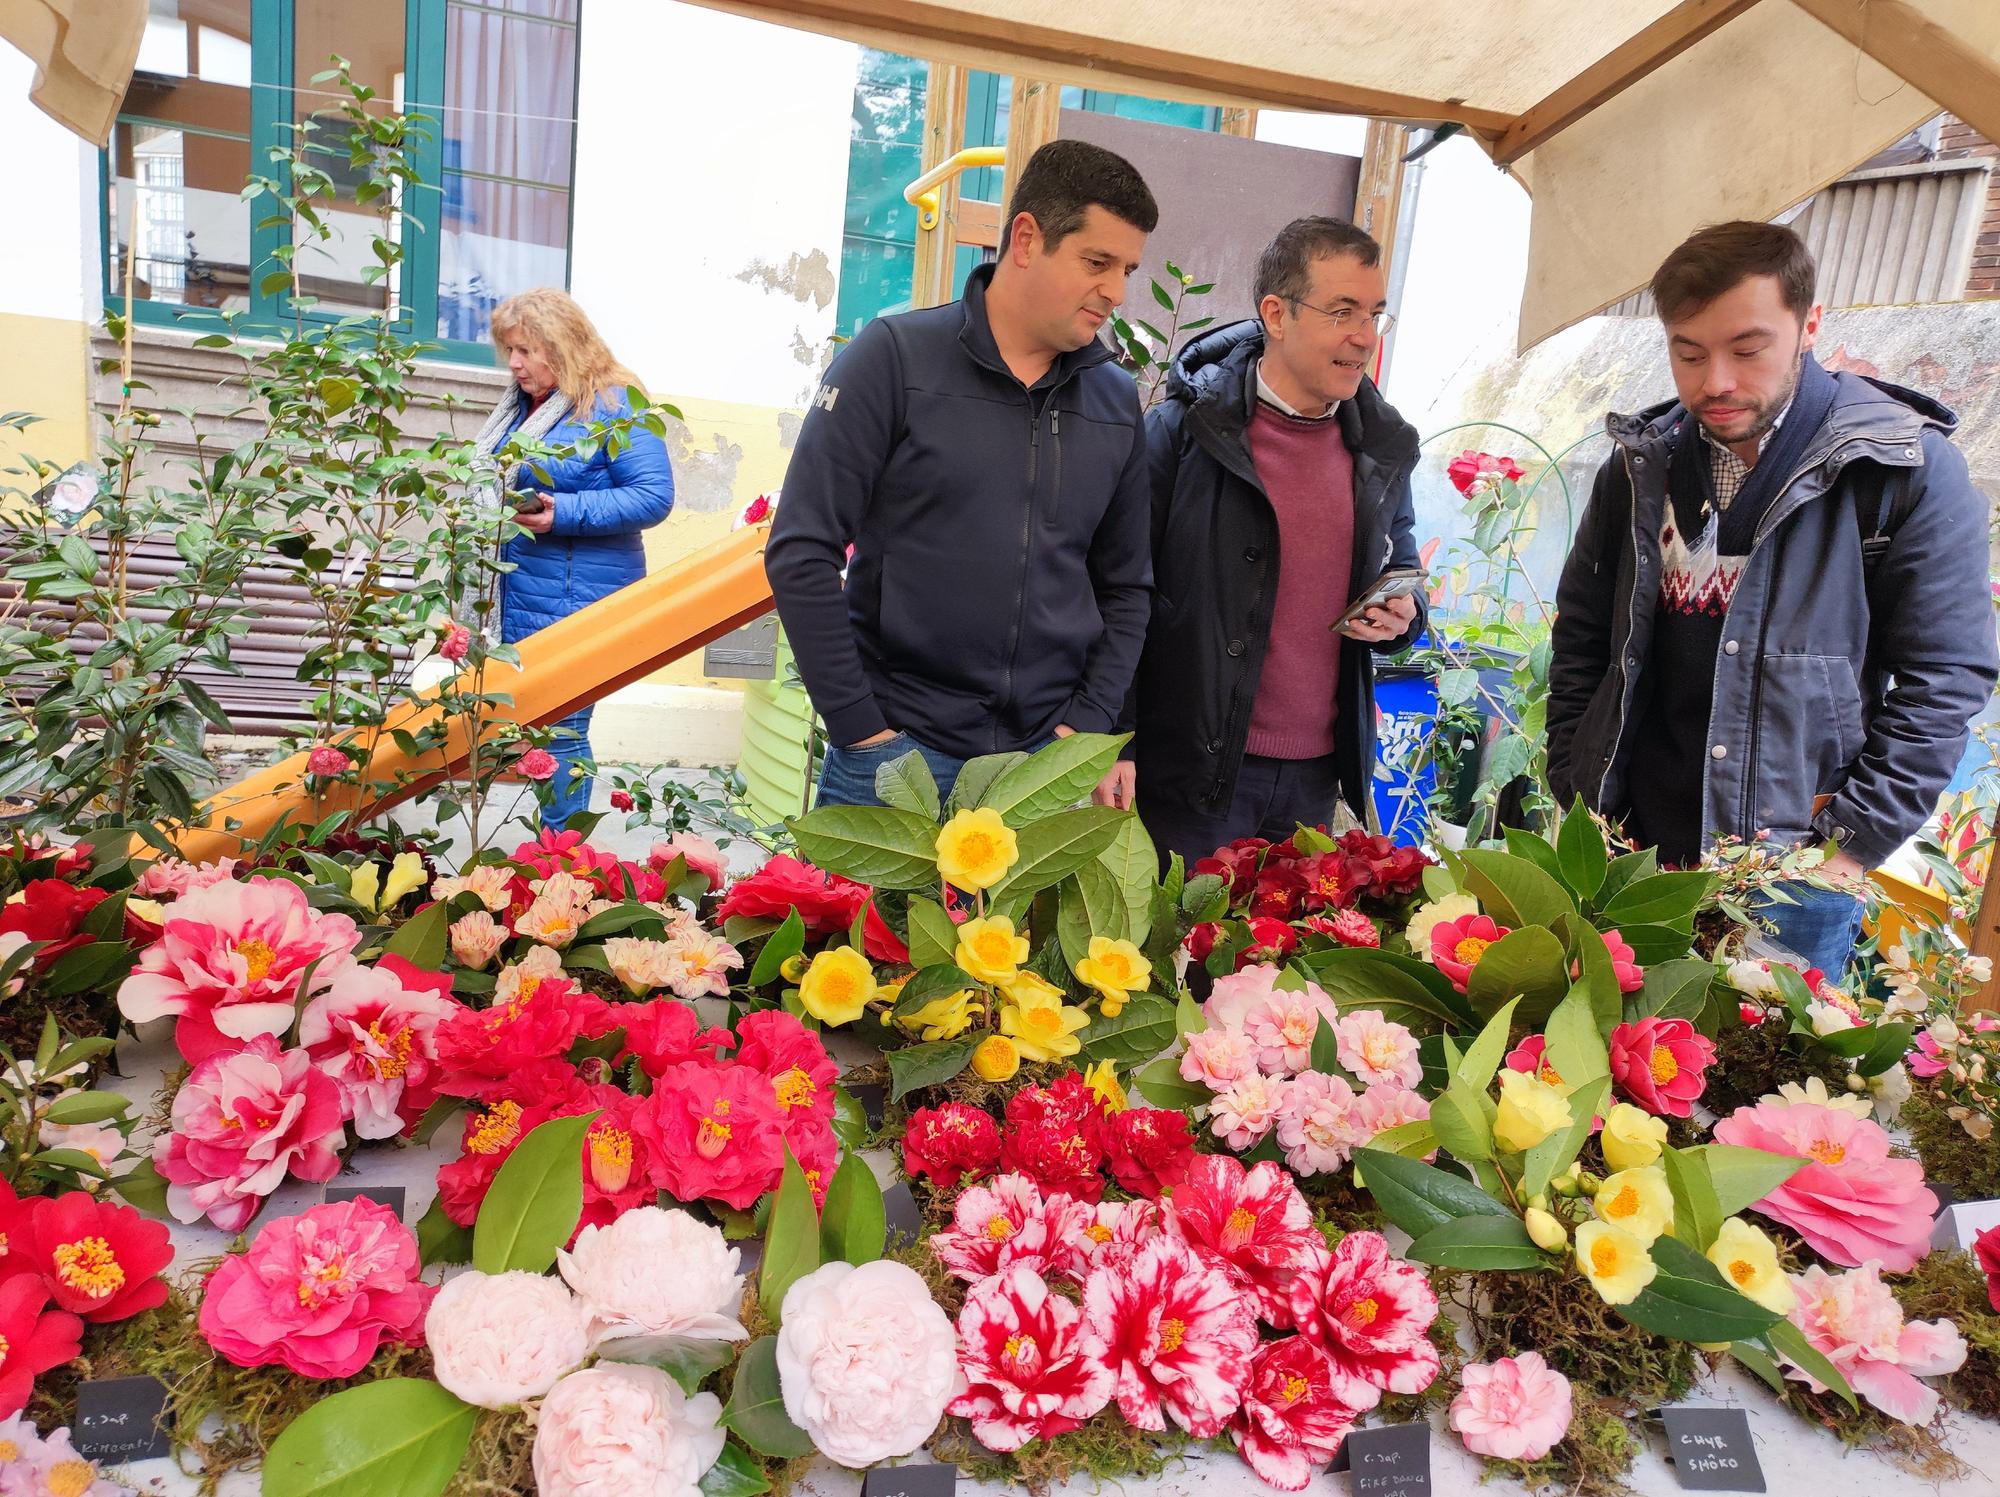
603 503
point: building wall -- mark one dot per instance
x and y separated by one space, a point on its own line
1957 140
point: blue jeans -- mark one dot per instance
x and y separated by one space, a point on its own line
1274 797
1820 928
569 794
847 778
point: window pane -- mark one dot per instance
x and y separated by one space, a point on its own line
369 34
179 155
509 141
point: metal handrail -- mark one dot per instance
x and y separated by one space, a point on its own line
923 194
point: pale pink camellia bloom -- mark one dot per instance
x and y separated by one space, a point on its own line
1514 1409
241 1122
1317 1126
1292 1421
1852 1201
1178 1336
551 920
1282 1025
1218 1058
1110 1234
1251 1223
866 1360
699 964
476 939
538 966
1372 1315
615 1429
457 643
1381 1108
1030 1369
698 853
326 761
319 1292
48 1464
1244 1114
229 962
537 764
641 965
1855 1320
1233 996
375 1037
1375 1049
171 878
104 1142
1006 1221
492 882
617 1274
500 1339
11 941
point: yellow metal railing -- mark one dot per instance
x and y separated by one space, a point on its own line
923 193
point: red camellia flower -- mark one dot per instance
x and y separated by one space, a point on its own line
621 800
1201 940
665 1033
1149 1149
1392 870
99 1260
950 1144
1177 1335
795 1065
756 512
826 902
1061 1160
326 761
1457 945
1371 1314
35 1341
717 1132
1237 863
537 764
1028 1364
1279 891
568 852
1271 942
1251 1223
540 1019
51 910
1292 1421
1750 1013
1471 471
1352 928
620 1169
1661 1064
1332 880
1986 1248
1531 1057
494 1130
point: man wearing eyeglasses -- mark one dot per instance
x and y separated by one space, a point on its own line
1281 493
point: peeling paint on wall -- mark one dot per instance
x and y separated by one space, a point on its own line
808 278
704 478
789 423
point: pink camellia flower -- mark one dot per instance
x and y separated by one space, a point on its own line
1372 1315
230 960
1470 472
1254 990
319 1292
1515 1409
1986 1250
1926 1059
1375 1049
536 764
457 643
1854 1319
1631 976
1531 1057
698 854
664 1034
1110 1235
1251 1223
326 761
476 939
1457 945
1218 1058
374 1032
243 1121
1852 1201
1029 1368
716 1133
1177 1335
621 1428
170 878
1661 1064
1381 1108
1316 1125
626 1299
1283 1025
1292 1421
1243 1115
1351 928
498 1340
1008 1221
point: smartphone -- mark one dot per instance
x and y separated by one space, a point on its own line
1398 582
525 501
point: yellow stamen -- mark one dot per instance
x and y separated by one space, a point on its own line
257 959
1042 1020
1364 1312
998 1229
89 1264
795 1089
1604 1256
711 1138
611 1159
70 1478
1097 1232
1295 1389
1663 1066
1470 950
1826 1151
1237 1229
1018 1347
1742 1270
9 1451
394 1058
498 1127
1625 1203
1172 1333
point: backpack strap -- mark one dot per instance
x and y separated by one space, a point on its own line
1883 499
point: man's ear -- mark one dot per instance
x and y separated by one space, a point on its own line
1810 334
1024 237
1271 312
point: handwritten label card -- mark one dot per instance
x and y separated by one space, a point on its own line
910 1481
1392 1461
905 1221
118 1419
1711 1449
1961 1221
391 1196
873 1097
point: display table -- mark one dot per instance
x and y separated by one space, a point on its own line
1795 1457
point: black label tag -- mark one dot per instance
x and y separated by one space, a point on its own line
910 1481
749 1254
873 1097
120 1419
1391 1461
391 1196
1711 1448
905 1221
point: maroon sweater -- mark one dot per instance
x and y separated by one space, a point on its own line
1309 474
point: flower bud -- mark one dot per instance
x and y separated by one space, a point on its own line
1856 1083
1588 1183
1565 1184
1548 1233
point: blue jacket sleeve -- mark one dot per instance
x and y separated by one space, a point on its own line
843 447
640 496
1121 575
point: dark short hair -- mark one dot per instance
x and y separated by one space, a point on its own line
1722 256
1066 178
1285 268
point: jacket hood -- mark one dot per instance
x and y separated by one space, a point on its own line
1862 406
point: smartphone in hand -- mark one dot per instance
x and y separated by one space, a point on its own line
1397 582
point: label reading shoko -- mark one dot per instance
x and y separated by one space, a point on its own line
1711 1448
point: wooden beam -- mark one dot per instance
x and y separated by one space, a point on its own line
1001 42
1240 122
1931 58
944 137
1033 111
1616 71
1380 191
978 223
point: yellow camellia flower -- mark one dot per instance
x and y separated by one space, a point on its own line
1749 1260
1117 969
405 874
1102 1080
997 1058
1530 1110
1548 1232
1632 1137
1038 1021
837 986
944 1018
976 848
1616 1263
363 883
989 950
1639 1200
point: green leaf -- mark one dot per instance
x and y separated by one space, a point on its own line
1089 905
1741 1177
854 1225
756 1408
1697 1212
1892 1043
535 1200
423 940
398 1437
1160 296
1657 945
791 1245
1659 899
1788 1339
933 938
907 784
1514 891
1418 1196
1558 1151
1598 981
1458 1116
687 1361
1758 1360
1407 991
86 1107
1188 1017
1053 778
1478 1242
87 967
1676 989
1580 849
1411 1140
1689 1300
617 920
1134 866
1054 847
1625 869
1162 1084
850 1119
1476 1069
918 1066
736 1473
926 987
144 1187
968 790
79 556
1141 1030
872 844
440 1239
784 943
1525 844
1576 1050
1325 1049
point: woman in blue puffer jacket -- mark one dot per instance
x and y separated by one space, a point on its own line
584 514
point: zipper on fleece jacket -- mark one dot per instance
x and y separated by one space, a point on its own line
1027 570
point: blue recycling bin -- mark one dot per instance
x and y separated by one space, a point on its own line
1406 702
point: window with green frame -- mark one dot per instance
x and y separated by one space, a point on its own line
217 84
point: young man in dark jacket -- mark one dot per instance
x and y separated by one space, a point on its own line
1281 493
985 461
1728 660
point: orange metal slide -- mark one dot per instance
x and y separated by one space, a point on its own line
566 666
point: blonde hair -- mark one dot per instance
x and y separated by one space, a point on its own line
584 368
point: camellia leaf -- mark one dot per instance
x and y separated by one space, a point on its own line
96 965
1478 1242
1526 964
1677 989
1689 1300
1580 850
1359 977
875 845
1659 898
1140 1030
1458 1115
1054 847
1697 1213
1411 1140
736 1473
854 1225
791 1246
933 938
1325 1049
1134 867
756 1408
1052 778
924 988
440 1239
1741 1176
1760 1361
1785 1338
424 939
918 1066
85 1107
786 942
1525 844
145 1188
969 789
1575 1049
1514 891
1418 1196
1625 869
907 784
1162 1084
688 1360
1558 1151
397 1437
1475 1070
535 1200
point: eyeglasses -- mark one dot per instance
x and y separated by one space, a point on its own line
1345 316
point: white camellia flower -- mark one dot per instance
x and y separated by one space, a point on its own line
652 1277
500 1339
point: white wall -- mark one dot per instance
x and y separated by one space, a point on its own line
48 179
